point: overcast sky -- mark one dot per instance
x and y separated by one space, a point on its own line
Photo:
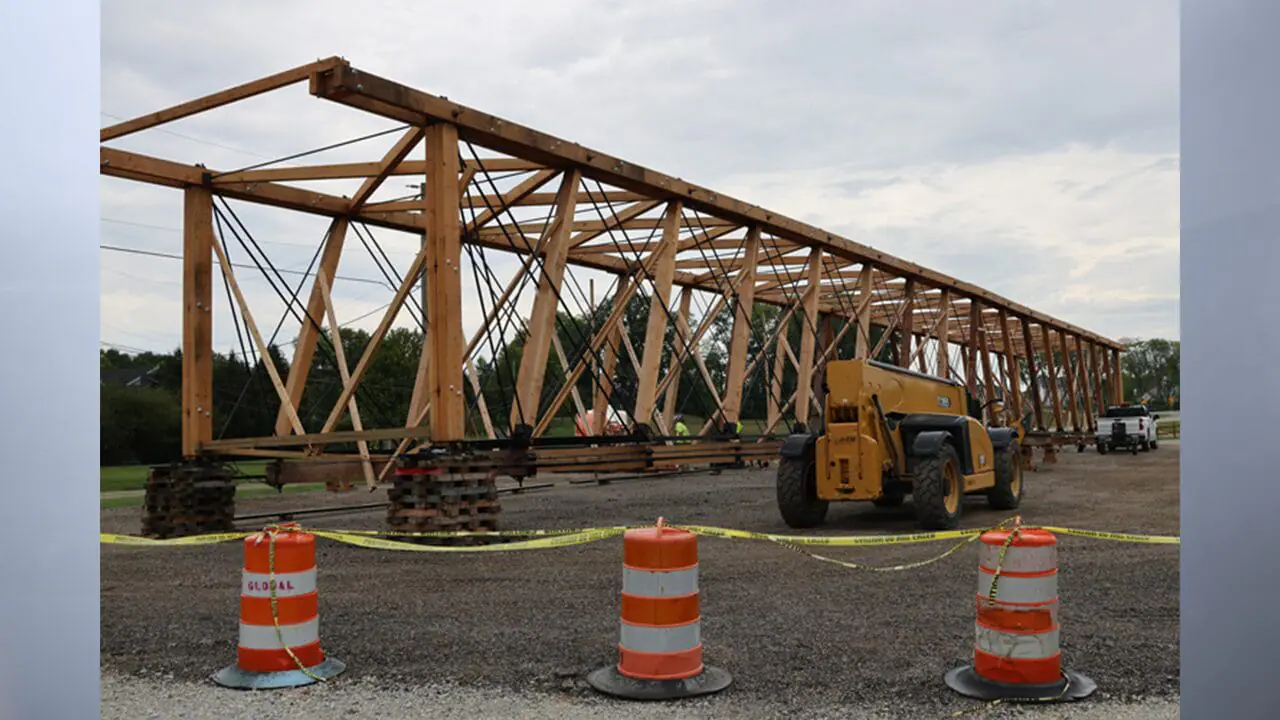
1030 147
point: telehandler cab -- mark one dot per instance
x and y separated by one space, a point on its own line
888 432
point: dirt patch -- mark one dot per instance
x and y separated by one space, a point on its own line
794 632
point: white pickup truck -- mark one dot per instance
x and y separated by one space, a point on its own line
1130 427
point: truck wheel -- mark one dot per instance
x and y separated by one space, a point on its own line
938 490
1006 494
1102 448
798 494
1144 446
1154 444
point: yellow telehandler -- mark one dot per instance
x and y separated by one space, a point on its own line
888 432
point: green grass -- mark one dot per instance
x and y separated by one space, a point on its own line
134 477
244 491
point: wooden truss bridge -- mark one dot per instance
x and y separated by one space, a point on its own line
777 300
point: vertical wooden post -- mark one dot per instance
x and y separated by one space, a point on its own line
600 405
1098 397
663 275
746 294
984 348
1069 376
1051 369
907 325
971 348
1034 373
444 276
1117 375
542 318
674 364
197 319
808 335
944 336
305 347
779 367
1013 369
862 339
1108 387
418 400
1082 375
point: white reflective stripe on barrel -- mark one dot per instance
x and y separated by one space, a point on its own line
287 584
652 639
1019 589
1019 559
263 637
666 583
1016 646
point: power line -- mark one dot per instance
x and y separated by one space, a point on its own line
148 226
192 139
171 256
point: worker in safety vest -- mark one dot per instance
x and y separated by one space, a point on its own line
739 427
682 430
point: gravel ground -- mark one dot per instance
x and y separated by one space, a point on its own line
513 634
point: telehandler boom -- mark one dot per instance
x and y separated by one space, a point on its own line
888 432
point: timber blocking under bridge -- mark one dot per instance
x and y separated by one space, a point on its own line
520 221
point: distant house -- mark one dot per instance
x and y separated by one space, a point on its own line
129 377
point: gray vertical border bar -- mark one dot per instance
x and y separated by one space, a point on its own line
1230 376
49 590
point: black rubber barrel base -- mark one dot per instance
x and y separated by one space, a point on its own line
969 683
611 682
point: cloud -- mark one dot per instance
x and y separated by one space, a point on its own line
1027 147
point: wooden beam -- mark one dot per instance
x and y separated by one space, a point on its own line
481 405
676 361
646 392
335 334
971 363
1117 371
218 99
808 336
865 296
309 334
525 188
1051 370
542 319
357 88
447 417
744 304
1072 411
944 336
197 320
393 158
1033 373
1082 377
1013 370
609 361
984 349
263 351
1098 398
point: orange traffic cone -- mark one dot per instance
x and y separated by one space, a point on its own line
279 646
1016 654
660 644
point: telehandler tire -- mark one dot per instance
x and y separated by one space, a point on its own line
938 493
798 494
1006 494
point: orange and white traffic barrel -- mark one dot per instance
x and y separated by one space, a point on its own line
1016 654
660 635
279 643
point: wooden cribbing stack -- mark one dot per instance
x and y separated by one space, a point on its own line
444 493
188 499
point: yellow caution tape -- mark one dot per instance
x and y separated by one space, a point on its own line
556 541
833 541
212 539
1121 537
544 539
882 568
